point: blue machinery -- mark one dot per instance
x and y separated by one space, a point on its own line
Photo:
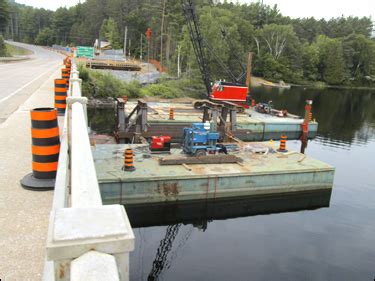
200 139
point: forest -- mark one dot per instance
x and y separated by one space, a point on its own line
339 51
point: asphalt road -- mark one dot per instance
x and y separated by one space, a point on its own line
19 80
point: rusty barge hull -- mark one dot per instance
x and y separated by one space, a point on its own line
250 131
258 174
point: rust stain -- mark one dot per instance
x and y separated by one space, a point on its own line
218 169
168 189
61 271
198 170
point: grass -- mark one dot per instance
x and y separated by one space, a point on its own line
98 84
13 51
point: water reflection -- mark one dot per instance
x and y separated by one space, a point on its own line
198 215
344 116
230 242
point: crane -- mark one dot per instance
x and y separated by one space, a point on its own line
219 91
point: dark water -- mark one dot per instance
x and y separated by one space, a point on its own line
311 237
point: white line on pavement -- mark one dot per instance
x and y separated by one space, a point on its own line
24 86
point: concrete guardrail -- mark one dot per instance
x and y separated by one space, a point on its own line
86 240
13 59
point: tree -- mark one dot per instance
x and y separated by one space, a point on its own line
274 39
310 61
260 14
45 37
109 31
331 60
61 24
3 49
4 15
278 50
307 29
339 50
359 54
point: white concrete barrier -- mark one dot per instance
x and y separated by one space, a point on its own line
86 240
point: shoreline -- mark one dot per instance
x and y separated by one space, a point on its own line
333 87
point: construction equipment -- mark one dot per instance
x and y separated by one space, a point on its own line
200 139
236 91
264 107
160 144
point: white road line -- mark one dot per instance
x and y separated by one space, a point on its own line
24 86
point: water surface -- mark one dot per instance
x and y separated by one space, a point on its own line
278 239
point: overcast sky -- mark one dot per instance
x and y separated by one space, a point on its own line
293 8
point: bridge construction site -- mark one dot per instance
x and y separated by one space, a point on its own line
166 152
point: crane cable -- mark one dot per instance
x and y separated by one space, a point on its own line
162 252
224 34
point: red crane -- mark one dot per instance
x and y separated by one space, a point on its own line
219 91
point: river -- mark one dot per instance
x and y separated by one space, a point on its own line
278 239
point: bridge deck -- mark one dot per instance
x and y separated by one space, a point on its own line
24 214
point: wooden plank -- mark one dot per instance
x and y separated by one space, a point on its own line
209 159
186 167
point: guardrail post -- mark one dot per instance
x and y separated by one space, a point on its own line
102 264
81 100
76 231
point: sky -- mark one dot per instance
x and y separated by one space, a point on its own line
293 8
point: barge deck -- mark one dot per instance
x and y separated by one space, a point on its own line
262 171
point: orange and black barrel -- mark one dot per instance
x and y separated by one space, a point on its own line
67 61
60 95
65 73
67 83
128 161
68 66
45 149
282 147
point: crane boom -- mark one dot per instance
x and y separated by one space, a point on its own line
197 42
220 91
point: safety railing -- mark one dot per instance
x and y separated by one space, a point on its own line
12 59
86 240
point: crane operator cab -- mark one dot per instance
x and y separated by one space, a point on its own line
232 92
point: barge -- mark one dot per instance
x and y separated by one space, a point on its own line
261 170
150 118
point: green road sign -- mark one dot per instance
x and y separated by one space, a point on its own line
87 52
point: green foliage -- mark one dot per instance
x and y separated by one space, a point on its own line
331 60
99 84
110 32
161 90
359 55
45 37
335 51
258 14
4 14
3 49
16 51
310 60
61 23
309 28
175 89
